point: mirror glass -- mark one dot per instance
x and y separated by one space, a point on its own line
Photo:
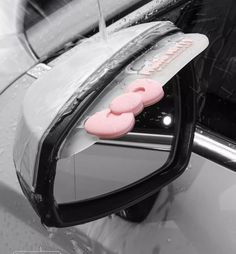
90 167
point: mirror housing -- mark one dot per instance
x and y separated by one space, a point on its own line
55 103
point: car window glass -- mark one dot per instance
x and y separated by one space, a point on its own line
49 25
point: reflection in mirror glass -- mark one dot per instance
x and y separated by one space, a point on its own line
109 165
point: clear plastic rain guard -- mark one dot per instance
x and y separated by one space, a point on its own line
79 139
46 100
54 91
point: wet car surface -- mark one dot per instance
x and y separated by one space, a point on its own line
194 214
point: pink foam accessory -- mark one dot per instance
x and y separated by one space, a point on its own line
128 102
150 90
107 125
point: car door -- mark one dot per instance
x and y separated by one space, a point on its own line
194 214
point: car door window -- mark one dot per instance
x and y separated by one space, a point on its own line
50 24
216 67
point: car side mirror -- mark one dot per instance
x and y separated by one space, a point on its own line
100 131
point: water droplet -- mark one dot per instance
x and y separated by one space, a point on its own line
51 229
68 233
231 145
50 236
156 250
102 22
2 151
76 247
52 232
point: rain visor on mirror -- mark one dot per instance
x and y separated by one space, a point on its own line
94 98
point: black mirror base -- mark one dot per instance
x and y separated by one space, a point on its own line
139 212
